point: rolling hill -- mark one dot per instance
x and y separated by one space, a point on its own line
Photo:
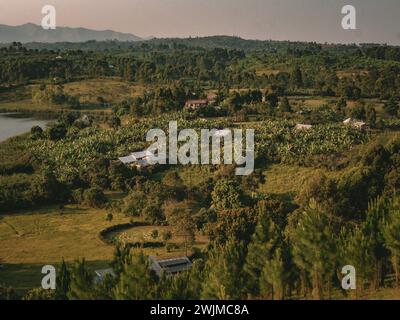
33 33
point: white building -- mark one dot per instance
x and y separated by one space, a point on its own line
300 126
139 159
355 123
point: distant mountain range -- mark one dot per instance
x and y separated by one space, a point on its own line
33 33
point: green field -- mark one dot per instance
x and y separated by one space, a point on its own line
110 90
73 231
29 240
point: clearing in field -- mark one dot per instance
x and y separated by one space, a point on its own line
109 90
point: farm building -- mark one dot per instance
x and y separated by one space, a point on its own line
139 159
300 126
170 266
355 123
194 104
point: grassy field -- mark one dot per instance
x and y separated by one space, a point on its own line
29 240
111 90
28 105
47 235
88 91
25 276
143 234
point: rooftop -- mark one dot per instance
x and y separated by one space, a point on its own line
170 266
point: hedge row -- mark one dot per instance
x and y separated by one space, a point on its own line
118 227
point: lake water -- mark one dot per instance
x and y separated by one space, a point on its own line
14 124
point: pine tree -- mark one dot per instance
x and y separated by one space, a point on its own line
372 229
184 286
224 272
137 281
122 256
274 276
391 233
314 248
63 282
82 282
355 250
260 249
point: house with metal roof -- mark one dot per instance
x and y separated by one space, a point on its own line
139 159
170 266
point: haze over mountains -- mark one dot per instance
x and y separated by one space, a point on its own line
33 33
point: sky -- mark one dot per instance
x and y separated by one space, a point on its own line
378 21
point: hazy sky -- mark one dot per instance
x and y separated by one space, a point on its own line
310 20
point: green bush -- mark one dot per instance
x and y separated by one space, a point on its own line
39 294
94 197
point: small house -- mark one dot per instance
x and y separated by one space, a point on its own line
139 159
194 104
358 124
170 266
301 126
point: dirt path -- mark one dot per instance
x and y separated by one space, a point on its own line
11 227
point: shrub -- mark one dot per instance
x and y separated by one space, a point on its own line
94 197
77 195
36 132
154 234
39 294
